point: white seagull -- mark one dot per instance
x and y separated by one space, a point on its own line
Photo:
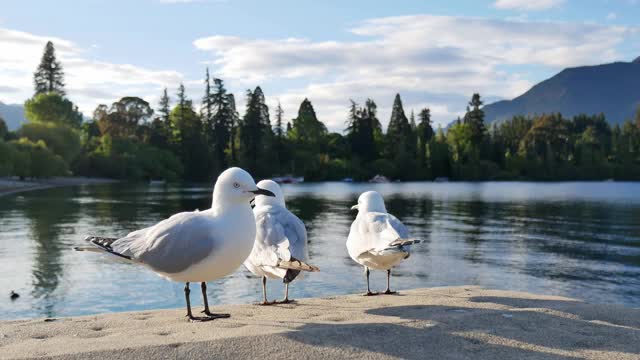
196 246
280 250
377 240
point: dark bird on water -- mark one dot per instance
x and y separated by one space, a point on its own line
14 295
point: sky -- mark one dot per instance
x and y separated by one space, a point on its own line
436 54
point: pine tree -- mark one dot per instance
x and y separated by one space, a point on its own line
475 118
424 134
49 77
165 107
306 128
207 103
277 129
401 140
235 119
398 123
362 126
221 126
254 132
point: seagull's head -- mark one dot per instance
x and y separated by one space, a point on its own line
273 187
236 185
370 201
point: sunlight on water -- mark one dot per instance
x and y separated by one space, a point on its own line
575 239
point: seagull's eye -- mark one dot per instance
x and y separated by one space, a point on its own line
236 185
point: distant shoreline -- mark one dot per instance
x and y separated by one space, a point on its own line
10 186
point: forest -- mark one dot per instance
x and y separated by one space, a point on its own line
181 140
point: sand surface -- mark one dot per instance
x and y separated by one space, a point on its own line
438 323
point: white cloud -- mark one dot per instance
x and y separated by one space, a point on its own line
428 59
88 82
527 5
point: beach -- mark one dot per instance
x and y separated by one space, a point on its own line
464 322
13 185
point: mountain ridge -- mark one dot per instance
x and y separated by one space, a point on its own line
13 115
612 89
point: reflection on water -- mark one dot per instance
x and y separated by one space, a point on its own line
574 239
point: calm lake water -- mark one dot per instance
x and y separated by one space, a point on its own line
575 239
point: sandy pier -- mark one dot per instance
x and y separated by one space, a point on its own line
438 323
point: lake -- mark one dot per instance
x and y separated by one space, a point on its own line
579 240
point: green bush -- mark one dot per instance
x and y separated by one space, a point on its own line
129 159
34 159
59 138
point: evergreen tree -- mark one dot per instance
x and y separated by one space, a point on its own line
4 131
475 118
254 131
165 109
398 124
279 145
189 139
309 136
424 134
306 128
49 76
277 128
362 126
221 126
401 141
179 118
207 101
235 119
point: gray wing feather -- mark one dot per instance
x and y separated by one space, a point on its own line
378 230
296 233
398 226
281 233
172 245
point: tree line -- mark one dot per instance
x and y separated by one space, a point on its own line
180 140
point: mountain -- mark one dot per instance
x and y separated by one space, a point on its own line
13 115
612 89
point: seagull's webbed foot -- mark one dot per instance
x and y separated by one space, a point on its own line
285 301
199 318
266 303
369 293
389 292
213 316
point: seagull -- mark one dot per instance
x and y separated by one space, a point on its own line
377 240
280 250
197 246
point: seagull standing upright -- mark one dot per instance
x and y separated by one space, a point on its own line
377 240
280 250
196 246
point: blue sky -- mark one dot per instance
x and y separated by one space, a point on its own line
433 53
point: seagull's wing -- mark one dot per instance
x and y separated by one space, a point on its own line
269 235
296 234
281 241
279 235
377 231
172 245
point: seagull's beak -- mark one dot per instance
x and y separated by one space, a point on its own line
354 207
265 192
